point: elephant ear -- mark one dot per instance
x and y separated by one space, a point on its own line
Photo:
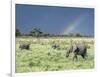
75 48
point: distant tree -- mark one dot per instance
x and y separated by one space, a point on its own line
36 32
18 33
78 35
46 34
70 34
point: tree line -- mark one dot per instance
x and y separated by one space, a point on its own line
36 32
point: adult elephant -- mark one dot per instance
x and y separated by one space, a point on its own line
77 49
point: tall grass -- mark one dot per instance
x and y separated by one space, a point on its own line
42 57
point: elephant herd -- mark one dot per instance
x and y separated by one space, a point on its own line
74 48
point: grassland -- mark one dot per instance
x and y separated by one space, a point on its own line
42 57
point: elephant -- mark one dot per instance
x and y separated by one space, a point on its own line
24 46
55 46
77 49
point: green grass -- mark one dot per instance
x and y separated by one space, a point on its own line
42 57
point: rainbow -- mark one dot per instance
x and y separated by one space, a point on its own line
71 26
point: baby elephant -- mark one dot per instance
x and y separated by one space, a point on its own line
55 46
24 46
77 49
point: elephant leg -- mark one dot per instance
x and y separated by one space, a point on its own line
74 57
83 56
67 54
